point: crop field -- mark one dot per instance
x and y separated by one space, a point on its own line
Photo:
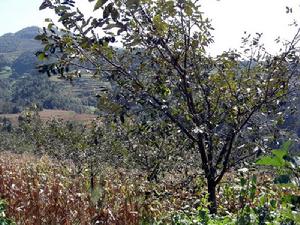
85 84
44 191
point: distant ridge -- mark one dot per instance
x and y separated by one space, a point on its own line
21 43
28 32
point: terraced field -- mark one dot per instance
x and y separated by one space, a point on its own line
5 72
84 85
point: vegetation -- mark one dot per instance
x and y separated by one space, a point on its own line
180 137
43 191
5 72
22 86
224 106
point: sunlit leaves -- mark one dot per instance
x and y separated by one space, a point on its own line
163 67
159 24
277 160
42 56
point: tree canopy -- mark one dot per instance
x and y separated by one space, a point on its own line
226 106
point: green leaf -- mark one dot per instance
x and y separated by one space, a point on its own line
188 10
39 37
243 181
277 160
270 161
42 56
99 4
159 24
107 10
48 20
114 14
286 145
280 153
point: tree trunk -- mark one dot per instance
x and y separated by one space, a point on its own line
211 189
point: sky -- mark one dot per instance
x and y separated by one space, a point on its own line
230 18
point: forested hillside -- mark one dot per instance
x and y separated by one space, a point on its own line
21 85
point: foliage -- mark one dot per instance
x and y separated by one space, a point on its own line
42 191
256 205
278 160
46 191
18 93
286 166
3 219
20 86
225 106
94 155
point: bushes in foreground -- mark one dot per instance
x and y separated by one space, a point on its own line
43 191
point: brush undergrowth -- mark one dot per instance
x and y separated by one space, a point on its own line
43 191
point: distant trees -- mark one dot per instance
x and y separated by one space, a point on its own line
225 106
3 61
25 63
24 90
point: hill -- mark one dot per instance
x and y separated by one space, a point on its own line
21 85
20 41
13 45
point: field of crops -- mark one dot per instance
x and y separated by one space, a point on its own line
44 191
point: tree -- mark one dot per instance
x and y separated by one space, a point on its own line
25 63
225 106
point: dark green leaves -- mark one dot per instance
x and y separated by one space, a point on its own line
99 4
114 14
132 4
46 4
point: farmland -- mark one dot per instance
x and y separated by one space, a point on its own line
43 191
55 114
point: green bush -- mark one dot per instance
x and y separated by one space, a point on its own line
265 208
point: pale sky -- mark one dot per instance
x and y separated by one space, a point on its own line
230 18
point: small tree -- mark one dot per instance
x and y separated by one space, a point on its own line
224 106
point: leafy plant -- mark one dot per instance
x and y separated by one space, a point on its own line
3 219
278 158
285 165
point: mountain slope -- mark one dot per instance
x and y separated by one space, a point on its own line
12 45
